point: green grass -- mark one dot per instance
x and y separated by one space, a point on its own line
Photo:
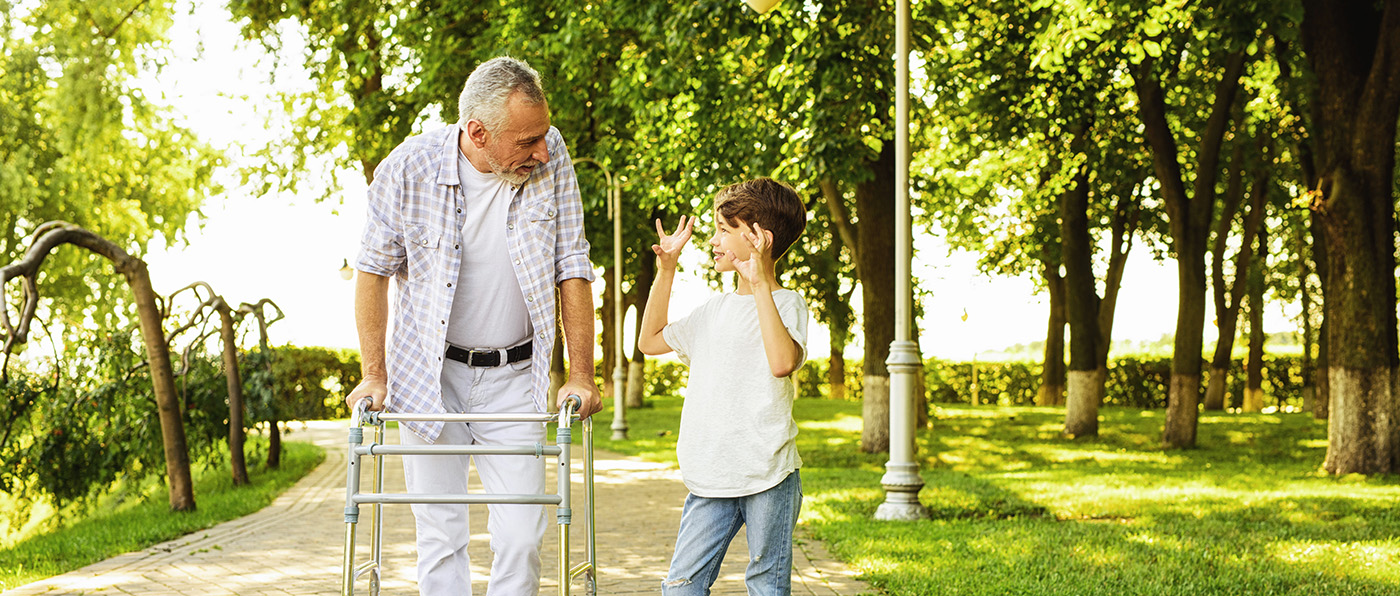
1017 509
150 521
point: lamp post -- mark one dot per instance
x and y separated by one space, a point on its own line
346 271
901 481
619 423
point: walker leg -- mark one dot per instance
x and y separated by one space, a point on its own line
352 511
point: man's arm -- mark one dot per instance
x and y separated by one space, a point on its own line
576 302
372 323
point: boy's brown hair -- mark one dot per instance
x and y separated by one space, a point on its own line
772 205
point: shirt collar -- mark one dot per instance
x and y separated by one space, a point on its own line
447 162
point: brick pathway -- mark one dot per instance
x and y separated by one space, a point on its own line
294 546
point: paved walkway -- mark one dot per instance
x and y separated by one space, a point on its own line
294 547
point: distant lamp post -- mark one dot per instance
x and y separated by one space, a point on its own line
346 271
619 423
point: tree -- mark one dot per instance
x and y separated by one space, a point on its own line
83 145
1189 212
1229 297
49 237
1354 52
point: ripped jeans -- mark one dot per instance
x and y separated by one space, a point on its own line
708 526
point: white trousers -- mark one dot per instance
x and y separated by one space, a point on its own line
444 567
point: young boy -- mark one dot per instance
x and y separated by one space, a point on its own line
736 445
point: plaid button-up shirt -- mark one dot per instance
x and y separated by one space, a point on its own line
413 233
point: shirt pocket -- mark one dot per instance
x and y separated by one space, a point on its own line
422 247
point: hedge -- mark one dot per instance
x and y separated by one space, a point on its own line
1137 382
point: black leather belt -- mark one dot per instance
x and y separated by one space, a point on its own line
488 358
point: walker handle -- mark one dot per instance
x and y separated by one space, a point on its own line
572 404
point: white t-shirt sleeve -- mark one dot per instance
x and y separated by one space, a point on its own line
792 309
680 334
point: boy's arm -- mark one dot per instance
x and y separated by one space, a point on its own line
784 355
782 351
654 318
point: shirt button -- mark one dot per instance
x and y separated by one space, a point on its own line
510 226
549 214
449 285
457 246
517 261
459 211
530 298
444 322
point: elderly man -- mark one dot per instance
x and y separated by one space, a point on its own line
478 222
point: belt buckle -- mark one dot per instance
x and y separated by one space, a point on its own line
473 354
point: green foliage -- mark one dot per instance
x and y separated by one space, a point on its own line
123 526
1132 381
68 440
308 383
82 144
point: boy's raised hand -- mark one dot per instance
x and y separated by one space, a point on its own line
668 248
760 262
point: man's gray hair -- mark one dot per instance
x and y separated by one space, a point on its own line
490 86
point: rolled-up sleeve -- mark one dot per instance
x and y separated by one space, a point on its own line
381 244
570 246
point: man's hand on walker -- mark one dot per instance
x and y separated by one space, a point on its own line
372 387
586 391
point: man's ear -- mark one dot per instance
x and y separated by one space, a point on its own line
476 131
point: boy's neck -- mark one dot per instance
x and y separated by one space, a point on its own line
746 289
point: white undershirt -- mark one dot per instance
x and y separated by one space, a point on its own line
488 308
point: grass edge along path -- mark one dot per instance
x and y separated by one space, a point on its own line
1019 509
102 535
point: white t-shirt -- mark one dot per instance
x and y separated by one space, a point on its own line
737 435
488 308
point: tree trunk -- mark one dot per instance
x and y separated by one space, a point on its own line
1354 49
172 426
1081 308
1305 297
1052 372
609 359
274 444
836 371
876 249
636 368
1321 384
1254 365
557 373
1227 294
238 468
1189 218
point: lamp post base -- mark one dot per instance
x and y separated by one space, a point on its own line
902 484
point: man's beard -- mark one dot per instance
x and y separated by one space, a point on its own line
509 175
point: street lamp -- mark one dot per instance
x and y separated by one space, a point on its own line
901 481
346 271
619 423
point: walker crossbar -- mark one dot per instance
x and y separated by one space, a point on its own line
350 572
377 417
485 499
535 450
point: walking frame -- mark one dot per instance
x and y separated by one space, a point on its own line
565 418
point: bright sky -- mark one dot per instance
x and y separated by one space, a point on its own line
290 248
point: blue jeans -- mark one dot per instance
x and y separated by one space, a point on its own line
708 526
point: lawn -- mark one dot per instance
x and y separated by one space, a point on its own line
1018 509
140 523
